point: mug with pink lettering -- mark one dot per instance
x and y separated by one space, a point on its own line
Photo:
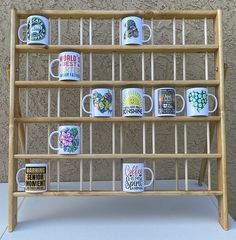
68 66
133 177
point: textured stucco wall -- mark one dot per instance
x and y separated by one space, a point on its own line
132 70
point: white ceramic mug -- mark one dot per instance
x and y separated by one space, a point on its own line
165 102
133 104
68 139
133 177
68 66
37 30
132 31
197 102
100 102
36 175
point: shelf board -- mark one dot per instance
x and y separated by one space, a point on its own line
102 49
115 84
119 193
117 14
115 119
121 156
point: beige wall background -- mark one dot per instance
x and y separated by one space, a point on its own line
38 69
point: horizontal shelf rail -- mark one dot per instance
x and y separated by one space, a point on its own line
121 156
115 119
102 49
119 193
116 84
103 14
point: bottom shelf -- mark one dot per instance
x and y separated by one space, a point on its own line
119 193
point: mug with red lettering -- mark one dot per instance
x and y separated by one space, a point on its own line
133 177
68 66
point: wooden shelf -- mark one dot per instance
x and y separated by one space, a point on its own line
103 14
115 84
120 156
115 119
104 49
119 193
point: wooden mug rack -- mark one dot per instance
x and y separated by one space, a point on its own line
18 122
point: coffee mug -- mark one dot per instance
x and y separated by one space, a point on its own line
101 102
68 66
133 104
36 175
132 31
68 139
37 30
197 102
133 177
165 102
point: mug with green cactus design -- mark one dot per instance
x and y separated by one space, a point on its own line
197 101
68 139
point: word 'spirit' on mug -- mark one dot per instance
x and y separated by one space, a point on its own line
132 31
36 175
133 104
68 139
197 102
133 177
68 66
101 102
36 30
165 102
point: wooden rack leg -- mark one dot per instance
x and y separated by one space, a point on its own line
13 127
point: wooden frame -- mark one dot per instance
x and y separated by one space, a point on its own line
16 121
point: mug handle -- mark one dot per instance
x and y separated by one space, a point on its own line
183 101
152 179
150 32
22 185
216 102
150 98
82 103
49 140
19 32
50 68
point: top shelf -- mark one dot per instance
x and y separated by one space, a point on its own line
115 14
196 48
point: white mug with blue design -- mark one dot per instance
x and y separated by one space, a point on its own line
197 101
132 31
37 30
68 139
100 102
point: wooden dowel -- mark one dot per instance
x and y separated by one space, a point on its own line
115 119
103 14
120 156
119 193
115 84
211 48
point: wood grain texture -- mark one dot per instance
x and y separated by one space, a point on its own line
102 14
119 193
115 119
120 156
195 48
115 84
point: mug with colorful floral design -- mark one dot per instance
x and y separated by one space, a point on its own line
68 139
100 102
